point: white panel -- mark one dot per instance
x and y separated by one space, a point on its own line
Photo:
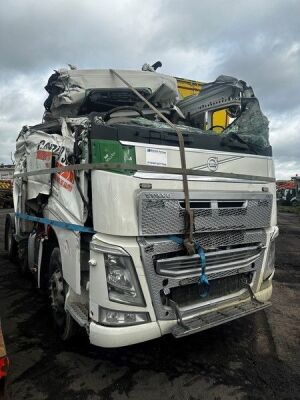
69 244
114 195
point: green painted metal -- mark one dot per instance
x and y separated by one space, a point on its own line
112 151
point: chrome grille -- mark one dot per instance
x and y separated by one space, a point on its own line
248 248
216 261
162 213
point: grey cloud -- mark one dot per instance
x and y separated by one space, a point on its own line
285 137
258 41
37 34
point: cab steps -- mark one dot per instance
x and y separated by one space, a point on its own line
79 312
210 320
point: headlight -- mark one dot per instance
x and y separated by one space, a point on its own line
270 267
122 282
121 318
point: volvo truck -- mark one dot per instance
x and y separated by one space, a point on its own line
135 215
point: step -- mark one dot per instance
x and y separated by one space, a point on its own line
215 318
79 312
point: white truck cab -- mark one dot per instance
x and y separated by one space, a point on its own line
100 210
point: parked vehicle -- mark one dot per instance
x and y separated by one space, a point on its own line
295 200
288 197
135 216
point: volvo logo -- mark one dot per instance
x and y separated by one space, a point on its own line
212 163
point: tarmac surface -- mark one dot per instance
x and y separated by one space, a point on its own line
256 357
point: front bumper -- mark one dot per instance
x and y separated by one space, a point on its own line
105 336
110 337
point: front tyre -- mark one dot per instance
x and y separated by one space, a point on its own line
64 323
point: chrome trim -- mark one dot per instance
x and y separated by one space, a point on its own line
226 160
195 309
205 321
103 248
189 268
173 177
220 195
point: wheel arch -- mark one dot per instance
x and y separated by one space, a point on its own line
68 243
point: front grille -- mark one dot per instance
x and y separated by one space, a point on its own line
241 252
163 213
191 294
216 261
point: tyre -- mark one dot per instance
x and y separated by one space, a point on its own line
294 203
11 244
64 323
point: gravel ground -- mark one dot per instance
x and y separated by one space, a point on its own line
256 357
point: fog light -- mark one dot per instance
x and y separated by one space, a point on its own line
121 318
112 316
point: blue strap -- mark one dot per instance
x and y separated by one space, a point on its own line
60 224
203 280
176 239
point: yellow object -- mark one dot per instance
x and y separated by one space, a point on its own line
5 185
219 119
187 87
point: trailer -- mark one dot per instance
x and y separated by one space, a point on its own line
134 215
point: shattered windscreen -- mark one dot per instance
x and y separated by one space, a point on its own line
79 93
248 124
251 127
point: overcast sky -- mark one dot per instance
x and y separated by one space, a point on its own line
255 40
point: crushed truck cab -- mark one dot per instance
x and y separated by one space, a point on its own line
141 216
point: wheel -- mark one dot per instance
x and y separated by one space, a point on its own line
11 244
64 323
294 203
